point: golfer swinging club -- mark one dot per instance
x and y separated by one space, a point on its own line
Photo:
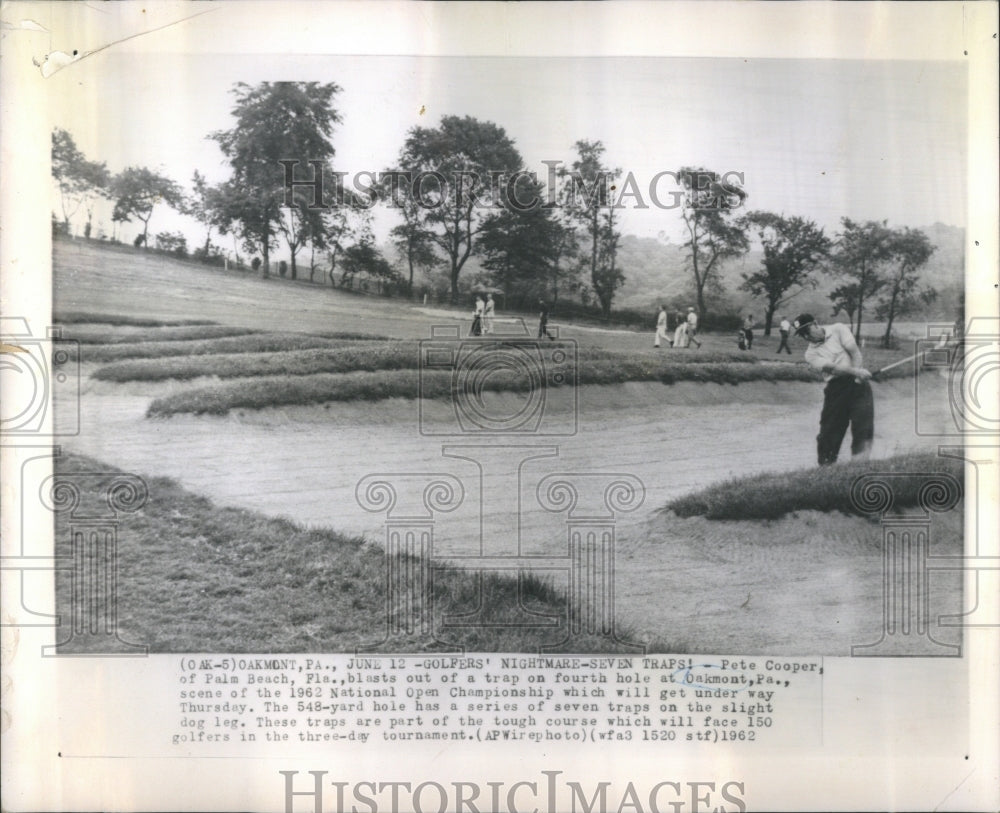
847 398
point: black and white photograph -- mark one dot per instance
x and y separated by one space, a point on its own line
611 385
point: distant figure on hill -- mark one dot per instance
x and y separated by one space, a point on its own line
477 318
661 327
748 331
488 315
692 323
784 329
543 320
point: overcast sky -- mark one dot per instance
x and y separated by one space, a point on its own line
818 138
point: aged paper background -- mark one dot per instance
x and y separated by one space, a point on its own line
894 731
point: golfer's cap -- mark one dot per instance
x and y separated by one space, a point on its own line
800 324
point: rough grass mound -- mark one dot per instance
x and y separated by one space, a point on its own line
128 334
251 343
297 390
193 576
826 488
354 357
83 317
369 356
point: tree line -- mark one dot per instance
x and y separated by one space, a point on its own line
567 247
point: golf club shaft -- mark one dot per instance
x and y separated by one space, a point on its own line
898 363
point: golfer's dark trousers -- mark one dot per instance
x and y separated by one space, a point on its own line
845 401
784 342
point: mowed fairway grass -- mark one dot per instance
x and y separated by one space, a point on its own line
196 577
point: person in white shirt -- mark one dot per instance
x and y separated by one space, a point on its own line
847 398
681 339
784 329
661 327
692 323
488 315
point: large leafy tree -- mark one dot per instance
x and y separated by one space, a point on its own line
714 234
364 258
845 300
301 224
563 257
588 199
519 247
449 206
207 205
275 121
136 192
416 247
910 249
413 241
862 249
347 218
81 182
794 248
338 228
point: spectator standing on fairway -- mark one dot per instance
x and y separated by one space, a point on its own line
783 329
488 315
847 398
477 318
748 330
543 320
681 337
661 327
692 326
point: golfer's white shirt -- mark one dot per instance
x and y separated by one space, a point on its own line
833 350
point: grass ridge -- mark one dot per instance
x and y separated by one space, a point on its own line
822 488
